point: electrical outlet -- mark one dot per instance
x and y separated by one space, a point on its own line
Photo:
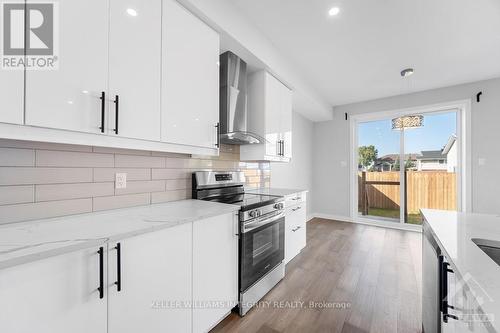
121 180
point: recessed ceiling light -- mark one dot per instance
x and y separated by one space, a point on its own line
132 12
407 72
334 11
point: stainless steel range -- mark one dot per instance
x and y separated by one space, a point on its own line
261 234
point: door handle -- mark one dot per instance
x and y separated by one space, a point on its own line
217 140
282 147
117 110
101 272
103 108
118 282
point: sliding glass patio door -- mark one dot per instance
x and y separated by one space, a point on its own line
406 163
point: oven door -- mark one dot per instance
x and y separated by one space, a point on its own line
262 247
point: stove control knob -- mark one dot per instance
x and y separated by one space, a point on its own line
254 213
278 205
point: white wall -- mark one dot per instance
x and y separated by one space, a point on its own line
298 173
331 142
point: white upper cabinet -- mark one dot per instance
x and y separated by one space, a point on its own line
69 97
190 81
270 113
135 68
286 122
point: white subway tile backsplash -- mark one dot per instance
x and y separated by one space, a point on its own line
40 210
17 157
132 161
27 176
39 180
121 201
50 158
178 184
10 195
142 187
170 196
73 191
170 173
108 174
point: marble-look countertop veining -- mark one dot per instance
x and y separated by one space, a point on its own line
33 240
281 192
454 232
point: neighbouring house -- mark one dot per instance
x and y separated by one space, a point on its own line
451 154
444 159
389 162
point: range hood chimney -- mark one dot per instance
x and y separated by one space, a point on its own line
233 102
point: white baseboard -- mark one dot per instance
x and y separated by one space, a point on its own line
333 217
381 224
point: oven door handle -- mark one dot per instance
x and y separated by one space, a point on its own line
261 222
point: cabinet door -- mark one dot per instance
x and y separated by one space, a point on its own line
273 109
286 121
69 97
135 68
215 270
190 81
300 228
54 295
295 236
155 282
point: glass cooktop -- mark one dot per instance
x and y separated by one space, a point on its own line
248 200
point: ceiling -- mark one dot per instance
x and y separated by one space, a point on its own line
358 54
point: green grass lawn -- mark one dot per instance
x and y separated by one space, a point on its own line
394 213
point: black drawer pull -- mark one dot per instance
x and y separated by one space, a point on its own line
118 282
117 110
103 109
101 272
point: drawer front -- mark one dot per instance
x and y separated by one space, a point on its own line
295 199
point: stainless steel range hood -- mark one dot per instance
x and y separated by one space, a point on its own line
233 102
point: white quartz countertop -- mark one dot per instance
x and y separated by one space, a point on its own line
454 232
33 240
281 192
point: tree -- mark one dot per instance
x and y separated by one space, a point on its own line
408 165
367 155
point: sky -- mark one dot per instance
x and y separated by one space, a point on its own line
432 136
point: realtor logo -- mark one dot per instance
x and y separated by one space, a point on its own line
29 34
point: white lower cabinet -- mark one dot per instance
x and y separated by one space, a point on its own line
149 284
295 226
54 295
155 278
215 270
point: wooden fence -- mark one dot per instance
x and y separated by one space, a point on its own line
425 189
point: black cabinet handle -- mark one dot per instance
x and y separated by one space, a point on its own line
283 148
117 109
446 316
217 141
444 270
103 108
118 282
101 272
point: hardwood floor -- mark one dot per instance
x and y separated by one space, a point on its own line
371 276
